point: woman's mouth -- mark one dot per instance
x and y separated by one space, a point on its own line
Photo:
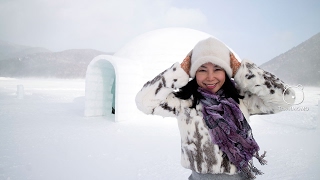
211 86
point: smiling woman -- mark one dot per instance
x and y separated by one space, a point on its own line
213 109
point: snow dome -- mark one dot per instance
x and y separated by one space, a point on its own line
159 49
113 81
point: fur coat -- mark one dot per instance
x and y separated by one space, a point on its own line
263 94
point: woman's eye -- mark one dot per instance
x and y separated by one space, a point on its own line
201 70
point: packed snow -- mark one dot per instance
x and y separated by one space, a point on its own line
45 135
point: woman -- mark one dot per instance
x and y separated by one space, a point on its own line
216 140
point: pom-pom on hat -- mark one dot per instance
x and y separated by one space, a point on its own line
213 51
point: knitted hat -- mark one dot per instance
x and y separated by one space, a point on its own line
213 51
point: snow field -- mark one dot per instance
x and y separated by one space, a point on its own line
46 136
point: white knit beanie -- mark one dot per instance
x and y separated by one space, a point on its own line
213 51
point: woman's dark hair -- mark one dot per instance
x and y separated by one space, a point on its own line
191 89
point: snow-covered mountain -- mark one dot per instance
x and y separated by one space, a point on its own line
23 61
300 64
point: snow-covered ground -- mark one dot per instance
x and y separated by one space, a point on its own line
44 136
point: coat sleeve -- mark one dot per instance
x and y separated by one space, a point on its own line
156 96
263 92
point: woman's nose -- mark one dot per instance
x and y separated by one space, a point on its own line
211 76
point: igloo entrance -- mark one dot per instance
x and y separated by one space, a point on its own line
100 88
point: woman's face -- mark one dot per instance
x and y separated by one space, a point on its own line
210 77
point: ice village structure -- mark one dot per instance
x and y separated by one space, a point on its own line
114 80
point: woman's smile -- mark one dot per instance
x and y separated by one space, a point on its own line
211 86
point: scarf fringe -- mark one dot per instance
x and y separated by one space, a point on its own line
261 159
251 171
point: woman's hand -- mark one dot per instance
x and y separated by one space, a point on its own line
186 63
234 63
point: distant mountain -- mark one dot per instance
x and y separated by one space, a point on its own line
22 61
9 50
299 65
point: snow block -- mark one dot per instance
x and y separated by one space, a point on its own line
20 91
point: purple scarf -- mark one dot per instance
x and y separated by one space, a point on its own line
230 130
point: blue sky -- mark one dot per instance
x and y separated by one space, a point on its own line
256 30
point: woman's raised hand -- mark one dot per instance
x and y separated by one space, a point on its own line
186 63
234 63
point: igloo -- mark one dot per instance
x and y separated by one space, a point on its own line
114 80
